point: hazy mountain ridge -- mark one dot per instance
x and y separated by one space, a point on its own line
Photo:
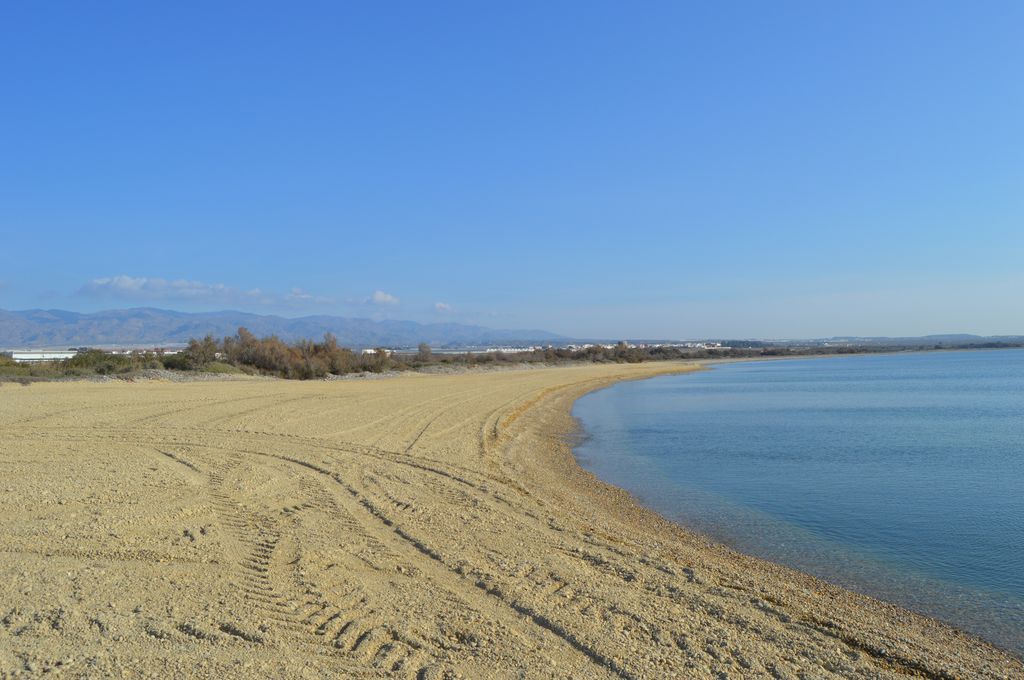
149 326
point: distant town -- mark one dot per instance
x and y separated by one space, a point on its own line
840 345
46 355
35 355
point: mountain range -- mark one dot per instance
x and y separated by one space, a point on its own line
160 327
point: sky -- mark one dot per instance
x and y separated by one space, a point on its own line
596 169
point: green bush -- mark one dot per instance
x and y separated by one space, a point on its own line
221 367
176 362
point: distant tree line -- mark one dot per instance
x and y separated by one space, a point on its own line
85 363
307 359
303 359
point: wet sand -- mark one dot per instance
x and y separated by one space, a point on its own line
421 526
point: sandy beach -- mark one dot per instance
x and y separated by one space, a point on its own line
418 526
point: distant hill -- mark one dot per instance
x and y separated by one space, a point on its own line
948 339
147 326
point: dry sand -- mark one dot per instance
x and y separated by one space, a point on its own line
420 527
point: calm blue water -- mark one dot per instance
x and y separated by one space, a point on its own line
899 476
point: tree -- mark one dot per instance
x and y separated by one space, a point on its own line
378 362
424 352
203 352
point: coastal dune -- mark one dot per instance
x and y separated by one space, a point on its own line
419 526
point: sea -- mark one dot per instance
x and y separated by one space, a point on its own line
900 476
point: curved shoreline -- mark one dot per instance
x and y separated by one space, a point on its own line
931 597
868 624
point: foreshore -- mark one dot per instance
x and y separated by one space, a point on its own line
424 526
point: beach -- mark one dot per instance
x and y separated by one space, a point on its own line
416 526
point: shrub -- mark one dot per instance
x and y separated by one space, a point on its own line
176 362
221 367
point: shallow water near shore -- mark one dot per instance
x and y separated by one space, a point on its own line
899 476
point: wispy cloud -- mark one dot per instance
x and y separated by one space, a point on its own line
299 295
442 307
156 289
379 297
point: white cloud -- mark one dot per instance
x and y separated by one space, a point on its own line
299 295
381 298
155 289
442 307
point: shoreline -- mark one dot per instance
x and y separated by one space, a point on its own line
623 503
1005 638
421 527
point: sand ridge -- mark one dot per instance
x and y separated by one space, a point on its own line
424 526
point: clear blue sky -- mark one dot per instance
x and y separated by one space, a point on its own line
596 169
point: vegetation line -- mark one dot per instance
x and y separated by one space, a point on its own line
308 359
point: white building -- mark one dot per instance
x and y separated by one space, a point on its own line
29 357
